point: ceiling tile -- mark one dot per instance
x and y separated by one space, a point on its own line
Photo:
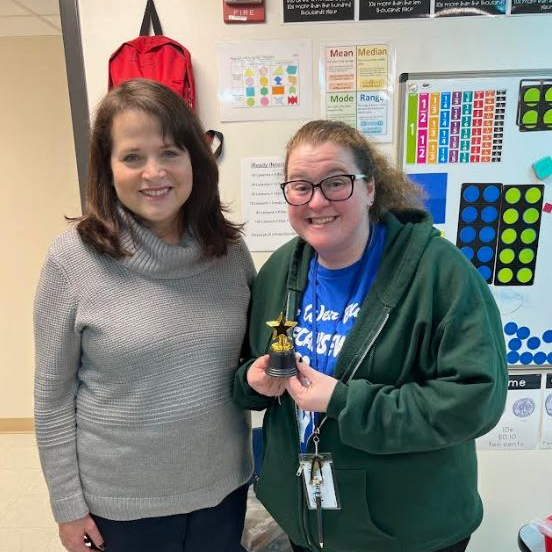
42 7
25 26
7 7
54 20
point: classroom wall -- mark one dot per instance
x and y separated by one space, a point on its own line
39 185
515 485
448 44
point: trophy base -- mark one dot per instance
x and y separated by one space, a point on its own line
281 364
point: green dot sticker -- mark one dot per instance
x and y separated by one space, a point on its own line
250 102
506 256
531 96
532 195
548 95
517 248
528 236
524 275
526 255
530 216
547 117
513 195
505 275
530 117
509 236
510 216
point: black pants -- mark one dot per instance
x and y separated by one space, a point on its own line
217 529
458 547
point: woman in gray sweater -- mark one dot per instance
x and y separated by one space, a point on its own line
140 315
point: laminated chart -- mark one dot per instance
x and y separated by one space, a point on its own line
535 105
265 80
263 84
498 231
455 126
357 86
470 140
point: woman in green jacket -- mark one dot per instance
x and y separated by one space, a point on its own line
400 357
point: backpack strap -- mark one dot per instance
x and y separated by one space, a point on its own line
211 135
150 16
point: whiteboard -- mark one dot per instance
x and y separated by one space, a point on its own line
471 139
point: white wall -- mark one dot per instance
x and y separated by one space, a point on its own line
455 44
39 185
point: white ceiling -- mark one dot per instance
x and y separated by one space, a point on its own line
29 18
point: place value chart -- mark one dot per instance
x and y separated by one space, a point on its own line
455 126
476 143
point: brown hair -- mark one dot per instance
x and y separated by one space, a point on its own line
393 190
202 213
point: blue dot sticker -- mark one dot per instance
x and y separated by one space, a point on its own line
547 336
468 252
512 357
539 358
533 343
489 214
487 234
467 234
510 328
471 194
485 254
514 344
526 358
491 193
523 332
469 214
485 271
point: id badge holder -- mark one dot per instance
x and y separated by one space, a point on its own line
322 484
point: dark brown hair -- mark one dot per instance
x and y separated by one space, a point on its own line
393 190
202 214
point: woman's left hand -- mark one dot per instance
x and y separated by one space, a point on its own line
316 394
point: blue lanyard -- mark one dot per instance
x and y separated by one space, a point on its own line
350 293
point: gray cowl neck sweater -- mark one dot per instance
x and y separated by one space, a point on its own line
135 360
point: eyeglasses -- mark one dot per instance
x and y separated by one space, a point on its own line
334 188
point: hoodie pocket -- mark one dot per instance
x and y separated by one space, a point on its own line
351 527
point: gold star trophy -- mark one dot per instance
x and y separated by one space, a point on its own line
281 363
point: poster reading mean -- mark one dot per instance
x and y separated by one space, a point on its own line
357 86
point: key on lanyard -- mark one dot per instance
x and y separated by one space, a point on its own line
317 479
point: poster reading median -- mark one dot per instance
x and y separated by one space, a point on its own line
357 86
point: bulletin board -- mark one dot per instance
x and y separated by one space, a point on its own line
470 139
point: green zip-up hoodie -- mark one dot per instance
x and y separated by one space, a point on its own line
421 375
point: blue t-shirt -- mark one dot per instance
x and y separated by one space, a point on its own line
339 295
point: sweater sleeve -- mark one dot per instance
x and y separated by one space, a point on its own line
57 360
464 400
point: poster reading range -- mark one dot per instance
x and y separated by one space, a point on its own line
546 439
357 86
265 80
518 427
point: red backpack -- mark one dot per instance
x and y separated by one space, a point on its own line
155 57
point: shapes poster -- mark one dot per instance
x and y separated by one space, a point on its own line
357 86
472 141
265 80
